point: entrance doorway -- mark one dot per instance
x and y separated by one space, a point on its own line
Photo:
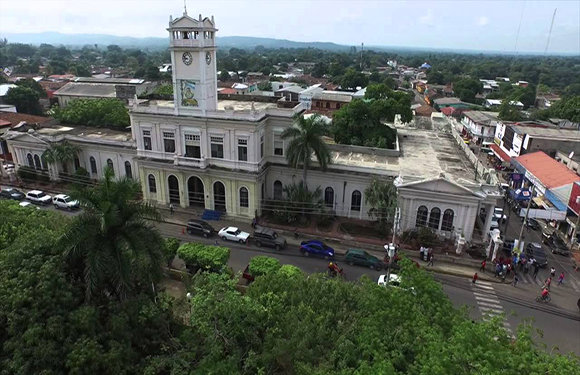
173 187
196 192
219 196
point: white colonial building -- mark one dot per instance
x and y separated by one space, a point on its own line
201 153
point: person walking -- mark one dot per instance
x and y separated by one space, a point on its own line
536 269
475 277
432 258
516 279
497 270
561 278
552 272
547 283
422 253
171 208
482 268
527 267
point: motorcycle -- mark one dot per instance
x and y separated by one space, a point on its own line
544 299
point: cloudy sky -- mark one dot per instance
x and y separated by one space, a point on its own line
480 25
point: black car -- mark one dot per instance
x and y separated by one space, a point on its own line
534 250
200 227
11 193
556 244
533 224
268 237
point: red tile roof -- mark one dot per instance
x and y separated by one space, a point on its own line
227 91
15 118
447 111
550 172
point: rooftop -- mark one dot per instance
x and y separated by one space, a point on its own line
110 81
15 118
481 117
544 132
335 96
97 90
447 101
424 154
293 89
551 173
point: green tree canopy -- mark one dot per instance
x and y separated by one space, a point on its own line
382 198
263 265
352 79
30 83
205 257
25 99
467 89
108 112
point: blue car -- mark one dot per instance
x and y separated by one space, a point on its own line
316 248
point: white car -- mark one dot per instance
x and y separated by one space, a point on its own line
499 215
27 204
233 234
394 281
64 201
38 197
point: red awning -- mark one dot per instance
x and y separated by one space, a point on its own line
500 153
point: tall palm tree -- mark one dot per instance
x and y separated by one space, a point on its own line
305 140
62 153
112 245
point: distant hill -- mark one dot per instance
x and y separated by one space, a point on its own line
246 42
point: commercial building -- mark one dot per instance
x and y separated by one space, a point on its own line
480 125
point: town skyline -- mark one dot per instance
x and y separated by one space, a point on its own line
433 25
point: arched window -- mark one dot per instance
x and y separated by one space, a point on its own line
327 104
37 163
77 163
447 224
30 160
278 190
128 171
355 201
434 218
244 199
422 213
152 185
93 163
329 197
173 188
110 165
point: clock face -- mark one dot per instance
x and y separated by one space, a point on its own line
208 58
187 58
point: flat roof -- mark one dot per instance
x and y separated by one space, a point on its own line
570 135
97 90
333 96
482 117
111 81
448 101
424 154
240 105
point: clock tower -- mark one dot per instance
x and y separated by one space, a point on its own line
193 50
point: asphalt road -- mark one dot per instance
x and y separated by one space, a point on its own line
560 324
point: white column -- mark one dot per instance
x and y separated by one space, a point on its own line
488 218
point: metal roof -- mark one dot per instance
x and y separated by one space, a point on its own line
96 90
551 173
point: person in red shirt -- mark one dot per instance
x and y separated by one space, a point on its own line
545 293
475 277
482 268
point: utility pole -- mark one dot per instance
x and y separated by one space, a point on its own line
525 220
396 224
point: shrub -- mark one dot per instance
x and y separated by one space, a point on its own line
81 176
108 112
170 249
208 258
426 236
289 270
263 265
27 173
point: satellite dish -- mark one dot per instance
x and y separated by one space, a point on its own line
571 155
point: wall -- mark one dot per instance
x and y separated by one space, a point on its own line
550 146
468 153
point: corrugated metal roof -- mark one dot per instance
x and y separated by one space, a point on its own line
87 89
550 172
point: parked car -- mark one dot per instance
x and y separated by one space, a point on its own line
268 237
200 227
362 258
11 193
28 204
233 234
498 215
316 248
38 197
533 224
534 250
394 281
65 202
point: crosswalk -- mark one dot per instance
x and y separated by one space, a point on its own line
487 302
569 282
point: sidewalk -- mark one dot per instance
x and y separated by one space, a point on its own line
445 264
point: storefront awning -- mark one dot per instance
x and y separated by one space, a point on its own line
500 153
520 194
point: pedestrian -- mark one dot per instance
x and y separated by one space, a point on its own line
536 269
482 268
421 256
561 278
547 283
527 267
497 270
171 209
516 279
215 243
431 260
475 277
553 272
509 269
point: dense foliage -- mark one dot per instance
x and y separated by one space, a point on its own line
24 99
263 265
205 257
170 247
362 122
286 323
108 112
381 196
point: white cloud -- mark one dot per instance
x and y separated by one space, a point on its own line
427 19
483 21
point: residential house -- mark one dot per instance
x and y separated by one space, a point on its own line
570 160
9 120
480 126
330 101
546 100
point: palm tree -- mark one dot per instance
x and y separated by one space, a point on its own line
306 139
62 153
112 246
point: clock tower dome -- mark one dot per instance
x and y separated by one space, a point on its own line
193 50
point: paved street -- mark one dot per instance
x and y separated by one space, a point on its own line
559 320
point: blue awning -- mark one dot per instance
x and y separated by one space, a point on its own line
561 206
520 194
